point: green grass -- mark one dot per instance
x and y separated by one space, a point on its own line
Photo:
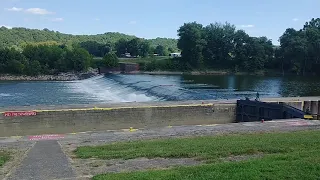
207 148
295 165
4 157
292 155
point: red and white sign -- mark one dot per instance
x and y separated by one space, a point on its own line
22 113
46 137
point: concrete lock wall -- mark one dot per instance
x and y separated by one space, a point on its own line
136 115
46 122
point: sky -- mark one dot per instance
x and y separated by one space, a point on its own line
161 18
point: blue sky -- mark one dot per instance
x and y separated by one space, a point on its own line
151 18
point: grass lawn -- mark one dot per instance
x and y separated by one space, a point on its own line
292 155
4 157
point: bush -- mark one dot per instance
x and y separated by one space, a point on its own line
111 60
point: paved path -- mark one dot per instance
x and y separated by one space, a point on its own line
44 161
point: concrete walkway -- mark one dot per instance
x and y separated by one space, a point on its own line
43 162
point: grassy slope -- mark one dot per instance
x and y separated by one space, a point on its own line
294 155
4 157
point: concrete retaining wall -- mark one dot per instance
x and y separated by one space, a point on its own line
116 118
123 116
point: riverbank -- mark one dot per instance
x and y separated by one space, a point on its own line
94 72
208 72
70 76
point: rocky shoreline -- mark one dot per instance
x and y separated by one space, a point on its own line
58 77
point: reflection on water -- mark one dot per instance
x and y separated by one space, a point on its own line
270 86
141 88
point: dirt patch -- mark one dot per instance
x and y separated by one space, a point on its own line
241 157
16 157
92 167
85 167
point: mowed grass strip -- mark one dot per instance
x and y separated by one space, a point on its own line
4 157
294 166
207 148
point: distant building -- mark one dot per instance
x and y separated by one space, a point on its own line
175 54
126 55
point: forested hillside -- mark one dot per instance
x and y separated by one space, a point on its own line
19 37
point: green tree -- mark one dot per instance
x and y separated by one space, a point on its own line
134 47
161 50
81 59
144 48
191 42
33 68
15 67
171 50
95 48
241 52
12 61
220 47
111 60
121 47
299 49
294 46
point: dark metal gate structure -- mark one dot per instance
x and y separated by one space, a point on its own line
248 111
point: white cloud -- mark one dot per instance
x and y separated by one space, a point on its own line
133 22
96 19
14 9
38 11
57 19
295 19
9 27
247 26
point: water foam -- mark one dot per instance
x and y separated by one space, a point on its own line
5 95
102 89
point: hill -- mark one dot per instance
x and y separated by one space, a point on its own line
17 37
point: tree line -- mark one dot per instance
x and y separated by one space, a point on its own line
300 49
51 57
221 46
43 59
136 47
215 46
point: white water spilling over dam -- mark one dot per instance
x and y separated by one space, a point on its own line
149 88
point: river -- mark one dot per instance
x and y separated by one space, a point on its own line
142 88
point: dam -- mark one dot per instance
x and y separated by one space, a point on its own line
19 121
152 88
121 101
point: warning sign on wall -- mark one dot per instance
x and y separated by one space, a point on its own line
22 113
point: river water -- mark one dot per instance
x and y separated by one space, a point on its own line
142 88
